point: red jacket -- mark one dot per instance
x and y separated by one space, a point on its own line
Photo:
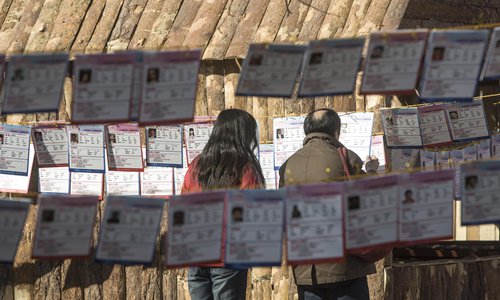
249 181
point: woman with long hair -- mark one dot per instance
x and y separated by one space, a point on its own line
227 162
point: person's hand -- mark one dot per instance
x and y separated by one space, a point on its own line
372 164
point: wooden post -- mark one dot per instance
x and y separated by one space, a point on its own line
87 26
180 28
102 31
21 31
214 87
125 25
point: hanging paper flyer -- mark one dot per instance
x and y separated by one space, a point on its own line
122 183
86 148
90 184
266 160
270 70
157 181
288 138
196 137
402 159
331 67
443 160
164 146
51 145
457 157
401 127
484 149
54 180
196 234
371 213
314 223
491 67
34 83
13 215
495 145
467 121
434 126
135 103
14 149
452 64
18 183
64 227
255 228
356 132
129 229
169 83
426 206
393 62
180 173
102 87
378 150
427 160
480 183
124 147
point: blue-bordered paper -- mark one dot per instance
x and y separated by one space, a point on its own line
18 183
452 65
129 230
14 149
86 148
266 159
13 214
270 70
288 136
331 67
255 222
164 146
34 83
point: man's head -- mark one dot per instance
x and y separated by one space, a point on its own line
323 120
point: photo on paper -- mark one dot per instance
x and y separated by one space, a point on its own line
112 138
296 212
114 217
152 133
178 218
353 203
237 214
471 182
38 137
74 138
438 53
377 52
191 133
153 75
256 60
280 133
454 115
316 58
408 197
48 216
1 139
18 75
389 121
85 76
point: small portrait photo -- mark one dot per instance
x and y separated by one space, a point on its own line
114 217
256 60
377 52
389 121
453 115
316 58
152 133
296 212
191 133
471 182
74 138
408 197
438 53
353 203
38 137
497 45
153 75
18 75
178 218
85 76
112 138
237 214
280 133
48 216
1 138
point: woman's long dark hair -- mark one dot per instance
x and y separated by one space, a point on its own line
229 151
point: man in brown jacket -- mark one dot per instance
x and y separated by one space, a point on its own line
319 161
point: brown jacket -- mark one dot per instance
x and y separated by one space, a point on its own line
319 161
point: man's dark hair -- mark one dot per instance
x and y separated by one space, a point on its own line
326 122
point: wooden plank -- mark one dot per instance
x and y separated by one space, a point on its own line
148 17
374 17
124 28
6 284
276 109
231 75
246 29
72 279
394 15
183 21
47 280
69 20
222 36
215 87
161 27
260 113
133 282
4 9
335 19
43 26
24 267
356 16
292 22
314 18
88 25
270 24
103 29
204 25
12 18
201 104
23 28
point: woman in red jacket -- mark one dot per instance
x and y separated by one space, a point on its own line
227 162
